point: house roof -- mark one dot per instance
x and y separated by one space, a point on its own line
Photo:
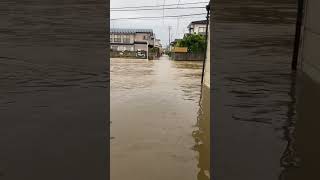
130 31
197 22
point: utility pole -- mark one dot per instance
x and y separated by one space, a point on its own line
169 34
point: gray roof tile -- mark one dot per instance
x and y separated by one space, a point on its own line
130 31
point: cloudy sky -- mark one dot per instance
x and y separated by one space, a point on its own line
159 26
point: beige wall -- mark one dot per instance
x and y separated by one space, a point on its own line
309 59
207 65
139 36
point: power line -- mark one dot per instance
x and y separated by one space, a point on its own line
159 17
177 28
178 3
164 5
158 9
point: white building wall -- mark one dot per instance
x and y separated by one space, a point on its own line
309 59
196 28
122 47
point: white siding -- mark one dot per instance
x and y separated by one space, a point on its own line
197 27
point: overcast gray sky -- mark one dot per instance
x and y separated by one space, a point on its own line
159 26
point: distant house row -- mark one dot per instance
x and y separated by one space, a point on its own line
133 39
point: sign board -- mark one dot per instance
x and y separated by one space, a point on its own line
180 49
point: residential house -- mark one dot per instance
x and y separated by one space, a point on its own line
157 43
131 39
197 27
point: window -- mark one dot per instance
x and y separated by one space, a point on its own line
111 38
117 38
115 48
202 29
126 38
145 37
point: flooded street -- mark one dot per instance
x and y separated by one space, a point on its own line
158 130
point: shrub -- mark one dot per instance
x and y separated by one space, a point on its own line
195 43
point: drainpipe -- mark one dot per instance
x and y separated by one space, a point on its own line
206 41
298 34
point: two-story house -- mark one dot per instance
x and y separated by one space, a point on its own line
131 39
197 27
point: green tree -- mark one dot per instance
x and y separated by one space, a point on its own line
194 42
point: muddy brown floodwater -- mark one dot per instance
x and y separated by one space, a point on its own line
158 130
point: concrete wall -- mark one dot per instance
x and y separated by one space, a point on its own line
187 56
123 47
206 79
128 54
309 59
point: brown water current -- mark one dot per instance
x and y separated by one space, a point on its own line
159 129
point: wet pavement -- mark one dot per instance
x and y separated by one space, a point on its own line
158 130
257 106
